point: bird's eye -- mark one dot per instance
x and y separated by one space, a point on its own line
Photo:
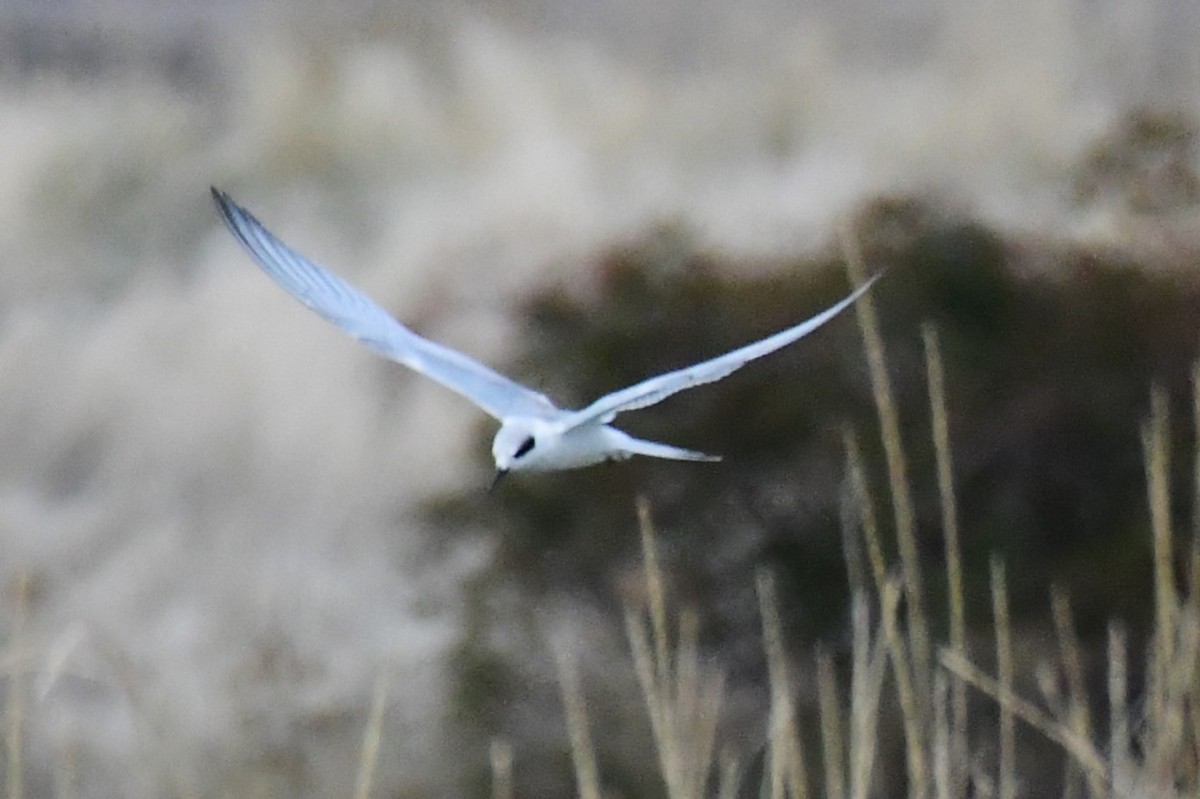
526 445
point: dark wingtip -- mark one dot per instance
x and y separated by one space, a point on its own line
220 198
230 212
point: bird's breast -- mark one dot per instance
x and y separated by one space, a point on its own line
575 448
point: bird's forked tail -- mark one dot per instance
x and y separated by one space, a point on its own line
652 449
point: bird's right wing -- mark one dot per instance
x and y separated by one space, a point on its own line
358 315
657 389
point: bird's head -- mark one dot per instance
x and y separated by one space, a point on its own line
515 444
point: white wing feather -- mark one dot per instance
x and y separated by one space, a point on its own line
358 315
657 389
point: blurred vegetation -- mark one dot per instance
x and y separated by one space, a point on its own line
1146 163
1049 350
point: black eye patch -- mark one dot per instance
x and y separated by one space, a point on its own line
526 445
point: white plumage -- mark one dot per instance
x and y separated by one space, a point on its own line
534 434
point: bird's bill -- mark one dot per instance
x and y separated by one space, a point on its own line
496 480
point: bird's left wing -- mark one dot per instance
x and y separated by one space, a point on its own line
657 389
358 315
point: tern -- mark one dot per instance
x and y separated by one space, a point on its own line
534 434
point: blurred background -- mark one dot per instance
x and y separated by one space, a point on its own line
233 519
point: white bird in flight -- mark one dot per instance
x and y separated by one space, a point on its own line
534 434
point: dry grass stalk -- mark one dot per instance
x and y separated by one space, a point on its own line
866 508
372 737
1194 572
914 741
501 756
654 590
857 579
1080 748
902 666
1156 447
1120 758
1078 713
730 769
831 726
785 753
866 683
1004 670
1173 742
1191 698
942 781
897 464
1193 613
683 698
1079 716
1193 566
1176 763
583 755
940 422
